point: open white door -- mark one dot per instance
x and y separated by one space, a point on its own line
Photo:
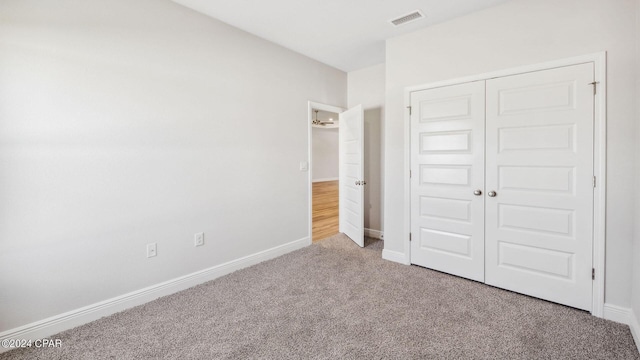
351 144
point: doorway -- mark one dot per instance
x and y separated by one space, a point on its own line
350 171
325 174
324 217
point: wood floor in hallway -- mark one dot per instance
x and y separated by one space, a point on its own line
325 209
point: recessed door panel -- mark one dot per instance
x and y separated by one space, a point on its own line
445 208
447 150
537 219
541 138
445 109
539 161
540 179
446 242
553 96
445 142
445 175
536 261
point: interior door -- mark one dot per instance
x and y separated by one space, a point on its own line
539 209
447 165
351 159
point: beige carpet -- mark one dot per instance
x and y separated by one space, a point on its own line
333 300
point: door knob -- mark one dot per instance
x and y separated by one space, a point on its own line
492 193
477 192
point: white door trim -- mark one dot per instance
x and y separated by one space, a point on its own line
310 106
599 157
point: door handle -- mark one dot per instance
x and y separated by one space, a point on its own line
477 192
361 182
492 193
357 182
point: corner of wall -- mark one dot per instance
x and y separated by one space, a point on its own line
634 326
634 322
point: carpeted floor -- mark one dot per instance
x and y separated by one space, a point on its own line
333 300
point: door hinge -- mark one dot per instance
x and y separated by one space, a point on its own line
409 174
593 273
595 85
409 107
409 236
594 181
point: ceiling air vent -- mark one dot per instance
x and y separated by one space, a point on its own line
413 16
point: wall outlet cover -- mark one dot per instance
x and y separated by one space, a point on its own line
199 239
152 250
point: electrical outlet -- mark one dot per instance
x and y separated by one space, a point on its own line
199 239
152 250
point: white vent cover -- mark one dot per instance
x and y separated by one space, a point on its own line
412 16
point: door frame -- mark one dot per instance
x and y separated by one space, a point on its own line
310 106
599 61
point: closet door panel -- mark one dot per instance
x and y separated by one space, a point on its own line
539 162
447 164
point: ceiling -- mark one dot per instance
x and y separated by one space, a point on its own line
346 34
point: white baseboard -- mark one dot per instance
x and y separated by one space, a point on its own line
55 324
617 313
634 325
376 234
325 179
625 316
395 256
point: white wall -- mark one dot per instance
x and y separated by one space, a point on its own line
325 152
518 33
129 122
366 87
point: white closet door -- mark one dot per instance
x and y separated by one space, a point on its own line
447 162
539 159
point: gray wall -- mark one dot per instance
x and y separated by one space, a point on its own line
128 122
522 32
325 153
636 245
